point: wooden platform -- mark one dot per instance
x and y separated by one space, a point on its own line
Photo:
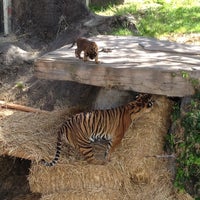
135 63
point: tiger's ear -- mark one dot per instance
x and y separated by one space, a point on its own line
143 97
138 96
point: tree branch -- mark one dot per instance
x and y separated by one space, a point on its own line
3 104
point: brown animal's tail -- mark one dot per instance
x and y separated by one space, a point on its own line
73 43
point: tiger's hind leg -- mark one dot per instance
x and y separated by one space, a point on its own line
88 152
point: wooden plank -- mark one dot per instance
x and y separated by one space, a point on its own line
127 67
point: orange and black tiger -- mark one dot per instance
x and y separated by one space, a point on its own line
104 128
89 48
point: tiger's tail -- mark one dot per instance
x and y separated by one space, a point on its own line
73 43
57 155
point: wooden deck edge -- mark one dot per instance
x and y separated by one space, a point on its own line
141 79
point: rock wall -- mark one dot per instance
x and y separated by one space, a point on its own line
45 17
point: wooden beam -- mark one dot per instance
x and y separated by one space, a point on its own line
171 72
141 79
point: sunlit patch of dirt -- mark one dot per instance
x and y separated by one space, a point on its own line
192 38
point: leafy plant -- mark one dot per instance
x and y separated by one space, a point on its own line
19 85
156 18
184 141
121 31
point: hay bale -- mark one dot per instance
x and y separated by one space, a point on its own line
84 195
146 138
133 172
77 176
31 135
28 197
183 196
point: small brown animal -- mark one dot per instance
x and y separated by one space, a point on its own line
89 48
100 130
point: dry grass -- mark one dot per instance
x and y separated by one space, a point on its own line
85 195
133 172
31 135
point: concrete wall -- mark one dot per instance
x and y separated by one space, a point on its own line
110 98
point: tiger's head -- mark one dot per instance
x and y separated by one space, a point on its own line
142 104
91 53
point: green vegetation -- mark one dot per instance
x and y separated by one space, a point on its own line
121 31
184 141
19 85
195 82
158 18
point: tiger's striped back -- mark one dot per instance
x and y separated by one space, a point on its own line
102 129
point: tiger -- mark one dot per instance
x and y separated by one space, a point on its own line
100 127
89 48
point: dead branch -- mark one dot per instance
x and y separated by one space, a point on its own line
6 105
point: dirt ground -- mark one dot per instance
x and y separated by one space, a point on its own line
19 85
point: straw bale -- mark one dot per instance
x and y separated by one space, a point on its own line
181 195
85 195
28 197
143 140
77 176
31 135
133 173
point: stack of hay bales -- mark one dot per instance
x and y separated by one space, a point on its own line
134 172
